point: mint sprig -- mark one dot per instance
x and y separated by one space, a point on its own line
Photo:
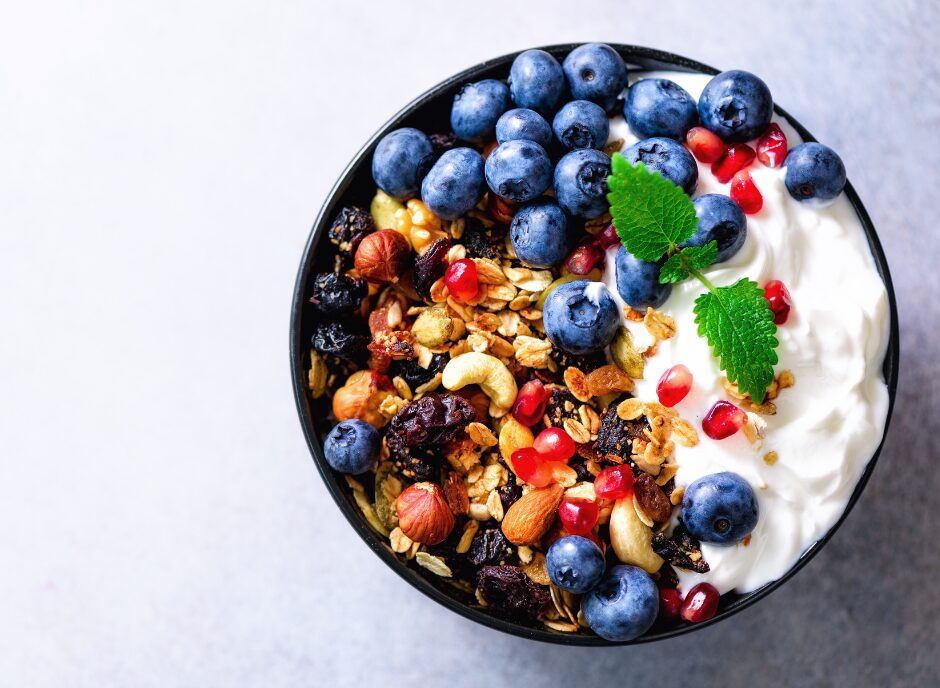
653 216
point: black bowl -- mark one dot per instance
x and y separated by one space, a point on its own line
430 112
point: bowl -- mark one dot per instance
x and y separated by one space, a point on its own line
355 187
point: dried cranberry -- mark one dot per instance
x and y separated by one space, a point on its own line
346 339
489 546
430 421
616 435
510 593
430 267
349 228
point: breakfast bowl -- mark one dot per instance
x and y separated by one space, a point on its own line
741 579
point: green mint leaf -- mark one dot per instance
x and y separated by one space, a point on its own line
739 326
681 264
652 215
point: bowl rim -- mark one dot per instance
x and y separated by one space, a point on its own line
632 55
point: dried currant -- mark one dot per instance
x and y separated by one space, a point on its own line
510 493
430 421
335 293
349 228
443 142
489 546
616 435
478 242
346 339
510 593
430 267
681 550
412 372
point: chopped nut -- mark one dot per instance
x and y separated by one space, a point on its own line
525 554
495 505
632 315
479 512
434 564
392 405
785 379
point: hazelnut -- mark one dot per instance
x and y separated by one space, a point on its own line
423 514
382 256
362 396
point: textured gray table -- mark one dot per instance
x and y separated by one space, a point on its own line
163 523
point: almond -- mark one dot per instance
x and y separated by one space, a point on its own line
423 514
529 518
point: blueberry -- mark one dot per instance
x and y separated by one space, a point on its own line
667 157
623 606
720 508
400 161
537 82
539 234
596 72
455 184
581 183
638 281
659 107
575 564
720 219
476 109
736 105
581 317
519 170
814 172
581 124
522 123
352 446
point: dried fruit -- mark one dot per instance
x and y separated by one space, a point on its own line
420 465
455 492
529 519
489 547
562 405
335 293
383 256
423 513
478 242
508 592
680 550
345 339
432 420
651 498
393 346
430 267
608 379
616 435
415 375
510 493
362 396
387 489
349 228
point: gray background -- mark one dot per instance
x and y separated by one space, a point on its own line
160 165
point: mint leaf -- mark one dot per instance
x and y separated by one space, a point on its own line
680 265
652 215
739 326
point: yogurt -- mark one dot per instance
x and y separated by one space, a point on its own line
827 426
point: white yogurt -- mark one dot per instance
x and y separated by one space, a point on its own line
829 424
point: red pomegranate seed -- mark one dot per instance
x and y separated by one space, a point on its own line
531 468
669 603
614 482
530 403
608 237
772 146
723 420
736 157
554 444
745 193
778 296
461 280
578 516
704 144
584 258
701 603
674 385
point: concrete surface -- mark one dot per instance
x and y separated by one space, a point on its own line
160 164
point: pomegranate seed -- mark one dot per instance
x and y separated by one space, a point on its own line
701 603
579 516
772 146
704 144
554 444
584 258
737 157
461 280
614 482
530 403
669 603
674 385
723 420
531 468
608 237
745 193
778 296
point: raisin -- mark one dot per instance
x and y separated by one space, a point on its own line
335 293
431 421
510 593
419 466
430 267
489 547
349 228
411 371
651 498
346 339
510 493
681 550
443 142
478 242
579 465
562 405
616 435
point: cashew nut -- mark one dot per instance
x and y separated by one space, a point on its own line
631 538
474 368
